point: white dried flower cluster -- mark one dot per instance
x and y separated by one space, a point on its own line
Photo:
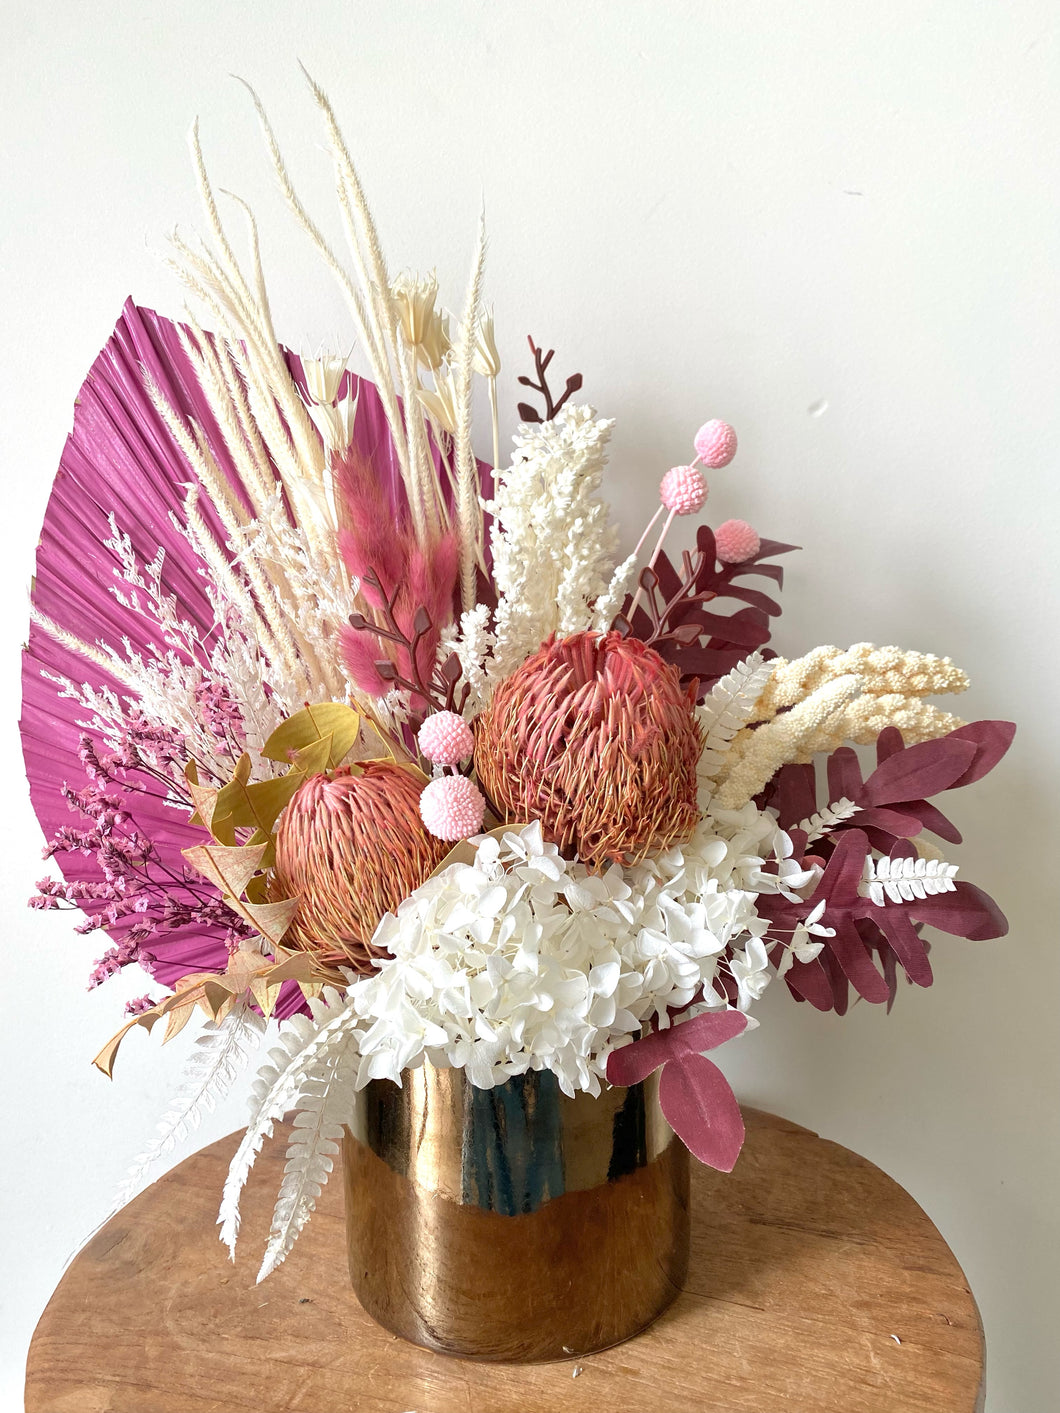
521 960
552 544
832 696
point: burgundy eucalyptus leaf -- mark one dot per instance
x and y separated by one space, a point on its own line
769 571
755 598
838 888
888 742
701 1108
768 549
897 927
902 824
808 981
844 774
745 629
633 1063
966 912
991 738
919 771
933 819
796 793
848 948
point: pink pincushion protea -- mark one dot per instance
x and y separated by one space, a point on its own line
445 739
683 490
350 846
715 443
452 808
594 737
736 542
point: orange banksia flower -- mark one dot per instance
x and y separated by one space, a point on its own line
594 737
350 846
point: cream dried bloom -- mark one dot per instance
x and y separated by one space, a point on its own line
423 328
439 402
754 757
487 361
552 542
883 671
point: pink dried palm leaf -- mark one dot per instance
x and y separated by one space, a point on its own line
122 458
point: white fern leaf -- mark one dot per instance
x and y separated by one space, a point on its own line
279 1082
902 880
824 820
728 709
218 1055
323 1108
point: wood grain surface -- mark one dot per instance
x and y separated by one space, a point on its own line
816 1283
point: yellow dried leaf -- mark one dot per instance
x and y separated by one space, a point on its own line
177 1020
228 869
258 805
334 722
266 992
271 920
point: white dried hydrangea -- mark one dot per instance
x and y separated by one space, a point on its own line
522 960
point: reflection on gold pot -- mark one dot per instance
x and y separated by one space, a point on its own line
513 1223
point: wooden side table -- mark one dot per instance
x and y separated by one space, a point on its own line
816 1283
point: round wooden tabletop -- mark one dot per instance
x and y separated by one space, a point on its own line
816 1283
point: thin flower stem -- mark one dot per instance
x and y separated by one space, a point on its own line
655 553
492 385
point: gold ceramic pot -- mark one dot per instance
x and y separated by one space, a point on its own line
513 1223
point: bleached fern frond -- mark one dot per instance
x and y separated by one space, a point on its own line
323 1107
728 709
304 1047
825 820
902 880
218 1055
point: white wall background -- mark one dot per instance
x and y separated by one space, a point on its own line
749 210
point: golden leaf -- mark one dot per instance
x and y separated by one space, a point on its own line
271 920
333 722
229 869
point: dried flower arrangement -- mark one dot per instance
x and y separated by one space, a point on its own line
382 752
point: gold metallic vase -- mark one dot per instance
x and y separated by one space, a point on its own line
513 1223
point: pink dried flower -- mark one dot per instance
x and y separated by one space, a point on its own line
736 541
138 1005
594 737
350 846
452 807
445 738
715 443
683 490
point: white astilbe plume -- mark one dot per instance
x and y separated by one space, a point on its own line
219 1054
472 642
552 545
614 596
